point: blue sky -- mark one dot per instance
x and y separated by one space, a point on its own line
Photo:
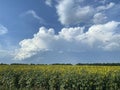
59 31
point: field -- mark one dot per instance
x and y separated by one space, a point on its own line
59 77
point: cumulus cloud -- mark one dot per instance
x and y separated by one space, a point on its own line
74 12
39 42
71 12
102 37
83 12
3 30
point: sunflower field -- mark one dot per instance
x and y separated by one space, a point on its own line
59 77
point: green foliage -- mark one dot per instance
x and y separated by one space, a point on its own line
59 77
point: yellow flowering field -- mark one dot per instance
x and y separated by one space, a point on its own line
59 77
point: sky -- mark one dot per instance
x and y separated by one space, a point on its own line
59 31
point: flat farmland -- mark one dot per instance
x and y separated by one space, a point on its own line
59 77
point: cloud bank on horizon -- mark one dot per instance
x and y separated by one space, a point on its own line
89 27
101 37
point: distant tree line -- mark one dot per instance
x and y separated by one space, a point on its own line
100 64
92 64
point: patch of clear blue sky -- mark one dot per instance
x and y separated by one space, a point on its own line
24 27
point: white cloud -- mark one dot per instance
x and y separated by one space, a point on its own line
99 18
71 12
34 15
102 1
98 37
48 2
108 6
70 33
75 12
46 40
39 42
3 30
112 46
102 35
